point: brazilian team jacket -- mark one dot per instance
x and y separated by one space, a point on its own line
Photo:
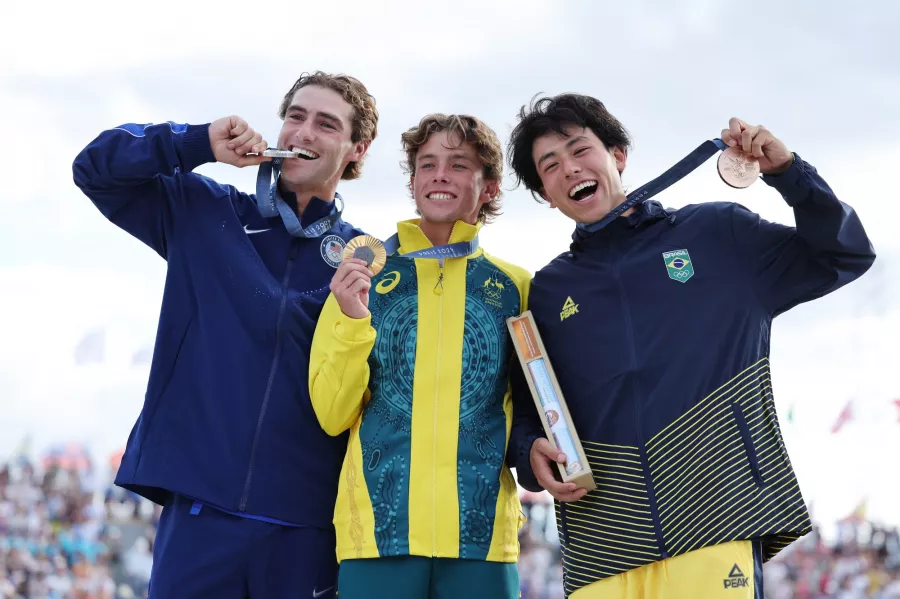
657 327
422 384
226 418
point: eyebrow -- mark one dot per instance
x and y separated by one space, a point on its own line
457 156
324 115
569 144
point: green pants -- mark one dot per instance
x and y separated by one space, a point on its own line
414 577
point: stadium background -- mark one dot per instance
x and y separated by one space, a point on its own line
80 299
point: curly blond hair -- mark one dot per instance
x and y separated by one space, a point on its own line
469 129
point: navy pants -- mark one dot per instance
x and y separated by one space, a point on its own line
219 556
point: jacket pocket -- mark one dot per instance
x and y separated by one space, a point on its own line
161 378
749 448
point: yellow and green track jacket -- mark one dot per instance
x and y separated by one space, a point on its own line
422 385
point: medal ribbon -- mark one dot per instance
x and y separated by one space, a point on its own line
681 169
271 204
460 249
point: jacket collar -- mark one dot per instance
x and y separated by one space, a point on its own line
412 238
644 214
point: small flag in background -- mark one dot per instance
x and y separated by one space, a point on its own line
843 418
91 348
142 356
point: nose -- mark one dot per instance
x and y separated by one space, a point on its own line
570 167
305 132
441 175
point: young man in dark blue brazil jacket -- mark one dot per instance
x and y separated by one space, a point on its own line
227 439
657 325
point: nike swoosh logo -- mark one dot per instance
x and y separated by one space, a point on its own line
250 231
318 594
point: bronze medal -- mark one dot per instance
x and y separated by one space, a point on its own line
737 169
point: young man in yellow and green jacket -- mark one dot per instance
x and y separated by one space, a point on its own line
418 372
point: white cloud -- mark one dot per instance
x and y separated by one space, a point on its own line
109 35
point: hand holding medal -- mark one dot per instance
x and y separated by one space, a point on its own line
752 150
364 257
368 249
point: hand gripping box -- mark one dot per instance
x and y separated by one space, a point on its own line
549 400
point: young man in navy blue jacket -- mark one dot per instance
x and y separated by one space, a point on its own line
227 440
657 325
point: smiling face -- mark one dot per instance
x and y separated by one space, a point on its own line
448 182
318 122
579 175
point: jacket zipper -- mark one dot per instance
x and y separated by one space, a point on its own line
438 289
636 404
265 402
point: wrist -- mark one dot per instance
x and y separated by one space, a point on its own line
781 168
196 148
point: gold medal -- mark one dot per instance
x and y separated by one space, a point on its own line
368 249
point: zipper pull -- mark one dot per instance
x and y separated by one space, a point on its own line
439 286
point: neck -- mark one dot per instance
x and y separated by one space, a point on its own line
437 233
621 200
305 193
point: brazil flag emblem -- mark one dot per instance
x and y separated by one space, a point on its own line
679 265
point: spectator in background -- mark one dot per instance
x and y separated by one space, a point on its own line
54 544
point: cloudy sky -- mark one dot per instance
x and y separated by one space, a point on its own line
816 73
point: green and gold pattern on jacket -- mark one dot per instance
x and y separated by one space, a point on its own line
386 429
491 298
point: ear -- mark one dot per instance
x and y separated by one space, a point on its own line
359 150
544 197
490 191
620 157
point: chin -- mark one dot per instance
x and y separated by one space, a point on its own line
441 218
295 178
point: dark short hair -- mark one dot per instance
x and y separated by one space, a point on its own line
551 115
365 114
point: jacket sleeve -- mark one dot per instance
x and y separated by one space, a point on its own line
339 367
134 175
827 249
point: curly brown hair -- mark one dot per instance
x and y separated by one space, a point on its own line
469 129
365 114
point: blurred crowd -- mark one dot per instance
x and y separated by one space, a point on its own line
863 561
67 533
859 561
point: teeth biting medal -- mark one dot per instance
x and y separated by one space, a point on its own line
276 153
369 249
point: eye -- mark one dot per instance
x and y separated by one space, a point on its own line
550 167
581 151
296 117
426 165
328 125
459 165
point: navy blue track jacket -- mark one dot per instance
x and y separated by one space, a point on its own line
658 329
227 418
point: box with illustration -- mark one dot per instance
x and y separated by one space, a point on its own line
548 398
